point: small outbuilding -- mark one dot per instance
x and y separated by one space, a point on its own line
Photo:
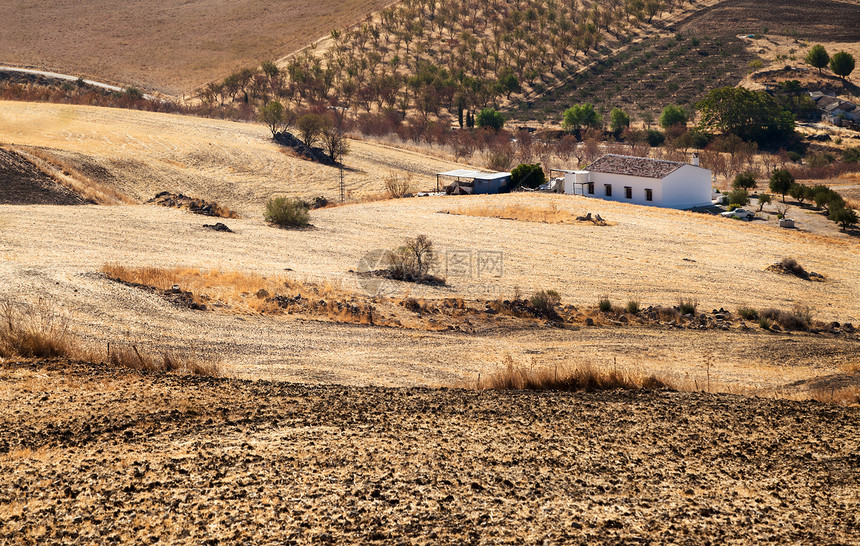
643 181
474 182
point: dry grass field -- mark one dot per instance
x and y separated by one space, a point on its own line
652 255
172 47
238 165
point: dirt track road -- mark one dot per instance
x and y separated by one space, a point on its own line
67 77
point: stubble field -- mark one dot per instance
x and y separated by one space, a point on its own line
652 255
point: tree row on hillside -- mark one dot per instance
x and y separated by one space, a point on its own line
448 55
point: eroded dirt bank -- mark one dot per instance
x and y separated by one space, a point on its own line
97 455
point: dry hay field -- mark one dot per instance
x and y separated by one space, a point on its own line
172 47
653 255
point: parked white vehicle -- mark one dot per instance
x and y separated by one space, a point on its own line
743 214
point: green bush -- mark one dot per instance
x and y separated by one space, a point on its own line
655 137
851 155
528 175
286 212
844 216
488 118
738 197
780 182
544 302
579 116
603 304
764 323
672 115
745 181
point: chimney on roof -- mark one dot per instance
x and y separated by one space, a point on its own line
695 160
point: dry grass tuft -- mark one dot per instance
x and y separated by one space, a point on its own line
131 358
32 331
37 331
583 377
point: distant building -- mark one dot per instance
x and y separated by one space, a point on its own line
474 182
835 110
643 181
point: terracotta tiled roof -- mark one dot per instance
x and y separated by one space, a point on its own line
634 166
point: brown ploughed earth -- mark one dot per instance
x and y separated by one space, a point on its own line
167 46
93 455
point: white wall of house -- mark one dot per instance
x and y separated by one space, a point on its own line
687 187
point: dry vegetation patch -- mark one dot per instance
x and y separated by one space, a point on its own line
39 331
550 213
246 293
191 204
566 377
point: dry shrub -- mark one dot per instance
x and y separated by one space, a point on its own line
667 313
847 396
286 212
790 265
166 362
687 306
37 331
33 331
798 319
397 186
544 302
583 377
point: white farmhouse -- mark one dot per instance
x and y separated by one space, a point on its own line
643 181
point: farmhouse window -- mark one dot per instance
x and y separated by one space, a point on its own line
591 188
649 194
628 192
608 189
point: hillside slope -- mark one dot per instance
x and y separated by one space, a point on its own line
172 46
235 164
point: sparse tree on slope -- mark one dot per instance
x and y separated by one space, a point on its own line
818 57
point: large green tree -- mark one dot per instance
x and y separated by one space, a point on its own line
817 57
579 116
842 64
488 118
672 115
618 120
751 115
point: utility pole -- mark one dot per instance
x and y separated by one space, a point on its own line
339 112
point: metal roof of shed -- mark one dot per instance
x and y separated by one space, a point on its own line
477 175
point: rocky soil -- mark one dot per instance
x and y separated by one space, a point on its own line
89 454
